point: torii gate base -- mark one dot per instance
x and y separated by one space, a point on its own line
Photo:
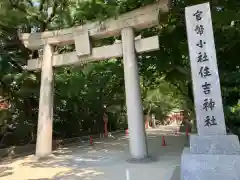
125 25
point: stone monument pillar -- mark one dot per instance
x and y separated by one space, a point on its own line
213 155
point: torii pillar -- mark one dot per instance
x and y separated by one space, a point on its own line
45 114
137 134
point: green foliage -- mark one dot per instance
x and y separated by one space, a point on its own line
162 100
82 92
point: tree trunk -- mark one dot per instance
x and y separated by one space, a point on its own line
154 123
148 114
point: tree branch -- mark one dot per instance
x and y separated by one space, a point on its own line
15 41
14 5
16 65
6 29
54 8
30 2
41 5
74 20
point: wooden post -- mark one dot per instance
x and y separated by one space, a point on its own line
137 135
45 114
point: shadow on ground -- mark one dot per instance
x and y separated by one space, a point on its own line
103 155
5 171
90 162
100 154
83 174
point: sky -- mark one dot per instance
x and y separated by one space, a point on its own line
36 3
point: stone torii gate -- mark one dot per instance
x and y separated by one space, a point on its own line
81 36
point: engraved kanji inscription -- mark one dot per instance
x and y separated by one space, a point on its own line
210 121
199 29
201 43
208 104
202 57
204 71
206 88
198 15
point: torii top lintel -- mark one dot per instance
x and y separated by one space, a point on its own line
141 18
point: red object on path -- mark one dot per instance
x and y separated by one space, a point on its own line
126 132
105 119
146 125
163 141
186 131
4 105
91 140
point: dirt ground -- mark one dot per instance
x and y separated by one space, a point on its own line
105 160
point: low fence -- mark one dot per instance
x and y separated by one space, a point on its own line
15 151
